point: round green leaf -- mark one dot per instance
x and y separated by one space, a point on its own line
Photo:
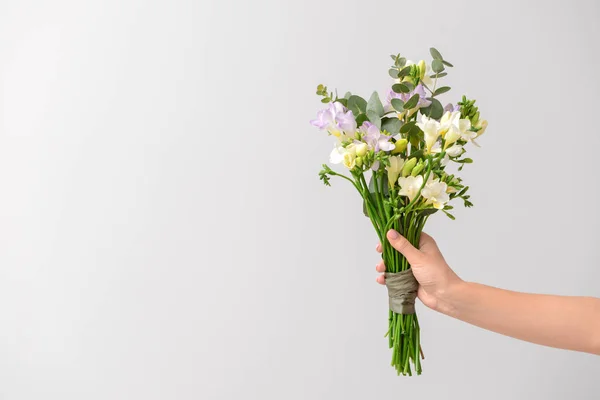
393 73
398 105
435 54
357 104
437 66
400 88
412 102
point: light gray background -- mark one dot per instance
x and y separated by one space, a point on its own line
164 234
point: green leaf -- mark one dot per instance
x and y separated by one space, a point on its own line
465 161
393 57
452 217
408 126
412 102
437 66
325 100
409 85
400 88
398 105
374 105
435 110
360 118
392 125
441 90
446 63
393 73
404 71
440 75
343 101
375 118
435 54
357 104
347 95
428 211
401 62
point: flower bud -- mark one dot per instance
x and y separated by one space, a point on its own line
483 125
361 149
422 69
359 161
408 166
417 170
400 146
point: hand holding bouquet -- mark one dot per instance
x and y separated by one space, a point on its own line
397 154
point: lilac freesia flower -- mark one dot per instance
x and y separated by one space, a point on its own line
419 89
375 139
336 119
451 108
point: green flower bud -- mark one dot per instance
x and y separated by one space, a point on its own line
408 166
422 69
417 170
359 161
400 146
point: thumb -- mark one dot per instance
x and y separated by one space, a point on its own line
400 243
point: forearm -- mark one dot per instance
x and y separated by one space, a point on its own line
557 321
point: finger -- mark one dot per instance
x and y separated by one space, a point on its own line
378 248
381 280
380 267
427 244
400 243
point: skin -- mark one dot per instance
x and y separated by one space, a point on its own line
563 322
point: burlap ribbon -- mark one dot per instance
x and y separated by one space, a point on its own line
402 291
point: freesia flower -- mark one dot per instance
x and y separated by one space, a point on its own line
337 120
431 129
419 89
436 193
345 155
410 185
393 171
451 108
454 151
375 139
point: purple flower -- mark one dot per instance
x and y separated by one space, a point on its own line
375 139
336 119
451 108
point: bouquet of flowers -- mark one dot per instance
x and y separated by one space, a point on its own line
397 154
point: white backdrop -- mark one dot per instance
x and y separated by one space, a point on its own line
164 234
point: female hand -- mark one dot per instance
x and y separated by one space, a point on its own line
430 269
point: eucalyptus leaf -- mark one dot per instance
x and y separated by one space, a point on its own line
374 118
435 54
392 125
357 104
398 105
437 66
374 105
435 110
393 72
401 62
446 63
408 126
409 85
441 90
400 88
440 75
361 118
404 71
428 211
344 102
412 102
347 95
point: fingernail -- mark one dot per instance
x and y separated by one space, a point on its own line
392 234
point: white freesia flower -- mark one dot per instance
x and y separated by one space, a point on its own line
431 129
454 151
445 160
345 155
393 171
410 185
436 193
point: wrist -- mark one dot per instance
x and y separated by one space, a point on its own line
449 300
